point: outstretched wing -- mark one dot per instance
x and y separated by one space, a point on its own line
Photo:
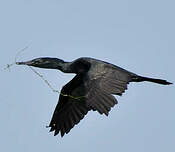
71 107
101 86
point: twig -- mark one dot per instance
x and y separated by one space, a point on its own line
50 86
8 66
22 50
18 53
41 76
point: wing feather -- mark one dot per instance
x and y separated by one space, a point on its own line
100 87
69 111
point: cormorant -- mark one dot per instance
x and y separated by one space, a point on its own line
92 88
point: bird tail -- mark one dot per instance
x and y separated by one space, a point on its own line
141 79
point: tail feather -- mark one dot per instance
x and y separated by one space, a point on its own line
159 81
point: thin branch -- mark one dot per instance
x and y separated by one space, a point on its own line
50 86
22 50
41 76
18 53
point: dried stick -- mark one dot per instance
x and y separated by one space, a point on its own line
50 86
41 76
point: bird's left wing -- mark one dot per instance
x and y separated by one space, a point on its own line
103 82
71 107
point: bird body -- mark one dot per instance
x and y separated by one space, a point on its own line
92 88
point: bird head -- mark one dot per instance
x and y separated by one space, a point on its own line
45 62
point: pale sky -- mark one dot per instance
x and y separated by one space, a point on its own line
136 35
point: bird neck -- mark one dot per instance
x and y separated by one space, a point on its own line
65 67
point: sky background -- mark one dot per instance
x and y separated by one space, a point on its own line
136 35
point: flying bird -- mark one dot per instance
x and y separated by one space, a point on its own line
92 88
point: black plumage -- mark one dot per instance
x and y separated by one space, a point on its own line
91 89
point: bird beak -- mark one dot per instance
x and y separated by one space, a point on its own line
29 63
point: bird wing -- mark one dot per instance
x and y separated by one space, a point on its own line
71 107
103 81
89 91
